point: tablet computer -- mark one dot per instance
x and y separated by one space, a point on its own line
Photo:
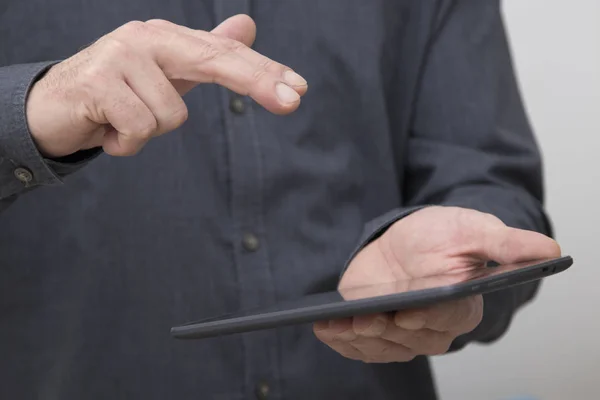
385 297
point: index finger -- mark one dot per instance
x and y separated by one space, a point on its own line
189 58
232 37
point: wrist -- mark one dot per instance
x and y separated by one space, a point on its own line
35 109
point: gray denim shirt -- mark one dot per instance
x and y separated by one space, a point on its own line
410 103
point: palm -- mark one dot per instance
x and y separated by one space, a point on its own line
441 242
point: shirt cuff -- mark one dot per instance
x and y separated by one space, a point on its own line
22 166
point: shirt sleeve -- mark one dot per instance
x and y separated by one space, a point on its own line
471 144
22 166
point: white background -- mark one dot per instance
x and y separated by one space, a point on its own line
552 351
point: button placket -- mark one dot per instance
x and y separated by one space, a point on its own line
255 280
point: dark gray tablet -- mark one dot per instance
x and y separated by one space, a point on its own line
374 299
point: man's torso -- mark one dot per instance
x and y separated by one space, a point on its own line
238 208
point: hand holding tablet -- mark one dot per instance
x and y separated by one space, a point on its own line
411 291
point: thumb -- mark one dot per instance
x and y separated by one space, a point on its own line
507 245
239 27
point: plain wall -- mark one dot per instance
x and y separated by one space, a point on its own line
552 351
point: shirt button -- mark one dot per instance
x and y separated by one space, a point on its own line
250 242
262 391
237 105
23 174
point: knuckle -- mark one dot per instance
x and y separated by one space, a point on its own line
172 119
92 84
236 46
446 346
229 44
436 345
258 74
115 48
139 131
437 348
158 22
179 116
134 28
126 148
471 223
441 347
266 63
147 130
474 313
409 358
493 220
128 151
406 356
94 76
208 51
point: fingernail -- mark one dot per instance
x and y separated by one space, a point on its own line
286 94
293 79
413 321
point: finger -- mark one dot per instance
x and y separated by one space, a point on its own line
370 325
325 333
242 78
382 351
97 137
422 341
457 316
241 47
349 329
368 331
510 245
207 63
340 336
338 329
133 123
239 27
150 84
202 57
